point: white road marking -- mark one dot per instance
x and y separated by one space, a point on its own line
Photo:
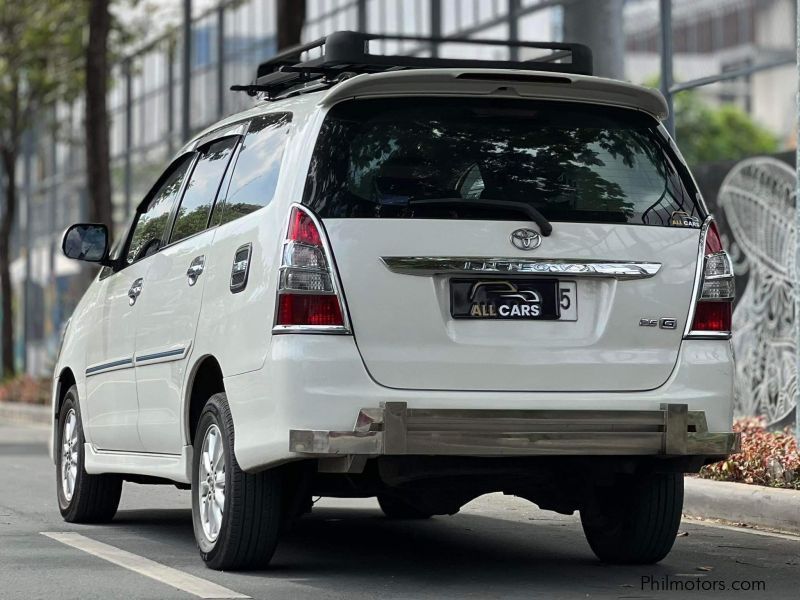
144 566
775 534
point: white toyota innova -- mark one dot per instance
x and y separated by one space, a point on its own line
420 279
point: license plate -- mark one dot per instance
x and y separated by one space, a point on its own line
513 299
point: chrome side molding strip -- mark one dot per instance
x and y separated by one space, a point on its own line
467 265
174 354
129 363
123 363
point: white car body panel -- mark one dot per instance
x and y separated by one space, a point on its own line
407 338
275 383
173 467
169 309
235 328
111 408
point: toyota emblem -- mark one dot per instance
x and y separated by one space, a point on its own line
526 239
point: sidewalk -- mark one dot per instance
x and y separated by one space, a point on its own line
772 508
24 413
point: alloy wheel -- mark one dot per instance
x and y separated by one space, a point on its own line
211 491
69 454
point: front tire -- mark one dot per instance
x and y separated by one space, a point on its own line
236 515
82 498
635 521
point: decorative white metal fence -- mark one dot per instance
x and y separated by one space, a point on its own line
759 201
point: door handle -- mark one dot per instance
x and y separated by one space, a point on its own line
136 289
195 269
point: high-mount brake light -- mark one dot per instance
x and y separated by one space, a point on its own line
716 290
309 300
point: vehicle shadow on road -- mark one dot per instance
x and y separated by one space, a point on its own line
359 549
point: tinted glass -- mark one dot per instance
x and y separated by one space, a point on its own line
202 189
572 162
258 165
150 224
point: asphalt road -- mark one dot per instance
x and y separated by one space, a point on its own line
497 547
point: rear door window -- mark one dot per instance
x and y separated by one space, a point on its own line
452 158
258 165
201 191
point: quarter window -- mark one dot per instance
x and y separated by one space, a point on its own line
151 222
202 189
255 175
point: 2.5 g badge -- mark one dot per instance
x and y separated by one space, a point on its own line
665 323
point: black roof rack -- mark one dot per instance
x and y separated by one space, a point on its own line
346 53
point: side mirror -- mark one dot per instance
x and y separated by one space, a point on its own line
87 242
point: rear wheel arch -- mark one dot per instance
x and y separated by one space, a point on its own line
206 379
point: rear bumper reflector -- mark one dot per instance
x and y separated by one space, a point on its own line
394 429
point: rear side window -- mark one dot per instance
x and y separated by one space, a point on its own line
451 158
192 216
255 175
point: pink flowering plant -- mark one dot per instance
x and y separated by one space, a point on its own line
25 389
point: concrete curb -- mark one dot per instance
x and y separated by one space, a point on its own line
16 412
773 508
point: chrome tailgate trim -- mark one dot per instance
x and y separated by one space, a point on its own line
470 265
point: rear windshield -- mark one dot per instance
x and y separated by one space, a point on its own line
455 158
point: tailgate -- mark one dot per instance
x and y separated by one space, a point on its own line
590 198
408 338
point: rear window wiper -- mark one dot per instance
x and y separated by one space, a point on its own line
544 225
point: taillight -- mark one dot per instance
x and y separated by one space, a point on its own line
309 299
716 288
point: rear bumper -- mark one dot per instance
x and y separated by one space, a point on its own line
395 429
319 383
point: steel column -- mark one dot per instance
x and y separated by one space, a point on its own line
361 15
170 98
27 149
53 200
220 61
666 61
128 183
513 28
436 25
186 72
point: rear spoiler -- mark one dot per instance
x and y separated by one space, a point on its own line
539 85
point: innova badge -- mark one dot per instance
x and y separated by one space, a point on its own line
526 239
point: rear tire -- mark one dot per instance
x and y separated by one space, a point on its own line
237 523
82 498
396 508
635 521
